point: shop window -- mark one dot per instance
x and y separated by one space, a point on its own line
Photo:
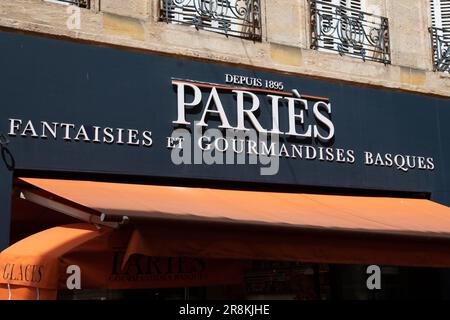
262 280
440 34
343 27
78 3
240 18
281 280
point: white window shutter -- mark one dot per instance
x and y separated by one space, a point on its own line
440 13
355 4
188 13
440 16
328 43
331 43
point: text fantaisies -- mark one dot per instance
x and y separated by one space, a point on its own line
71 132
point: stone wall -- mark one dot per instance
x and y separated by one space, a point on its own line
284 47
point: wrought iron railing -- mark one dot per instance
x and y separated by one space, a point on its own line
240 18
349 32
440 39
79 3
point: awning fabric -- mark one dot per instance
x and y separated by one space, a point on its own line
14 292
324 246
232 224
379 215
35 260
36 267
195 236
31 268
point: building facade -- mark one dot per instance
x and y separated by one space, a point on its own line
338 108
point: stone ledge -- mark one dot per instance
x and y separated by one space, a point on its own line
138 9
154 36
121 26
444 75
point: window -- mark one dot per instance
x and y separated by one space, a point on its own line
240 18
343 27
330 9
440 32
79 3
440 15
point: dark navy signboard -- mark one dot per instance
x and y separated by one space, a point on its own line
84 85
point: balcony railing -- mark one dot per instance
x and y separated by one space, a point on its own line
239 18
440 39
349 32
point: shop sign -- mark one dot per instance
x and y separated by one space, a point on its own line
119 112
237 136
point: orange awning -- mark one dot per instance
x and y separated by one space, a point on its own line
347 213
35 260
31 268
235 224
36 267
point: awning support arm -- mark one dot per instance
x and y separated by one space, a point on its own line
65 209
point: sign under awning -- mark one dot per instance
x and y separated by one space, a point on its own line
235 224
